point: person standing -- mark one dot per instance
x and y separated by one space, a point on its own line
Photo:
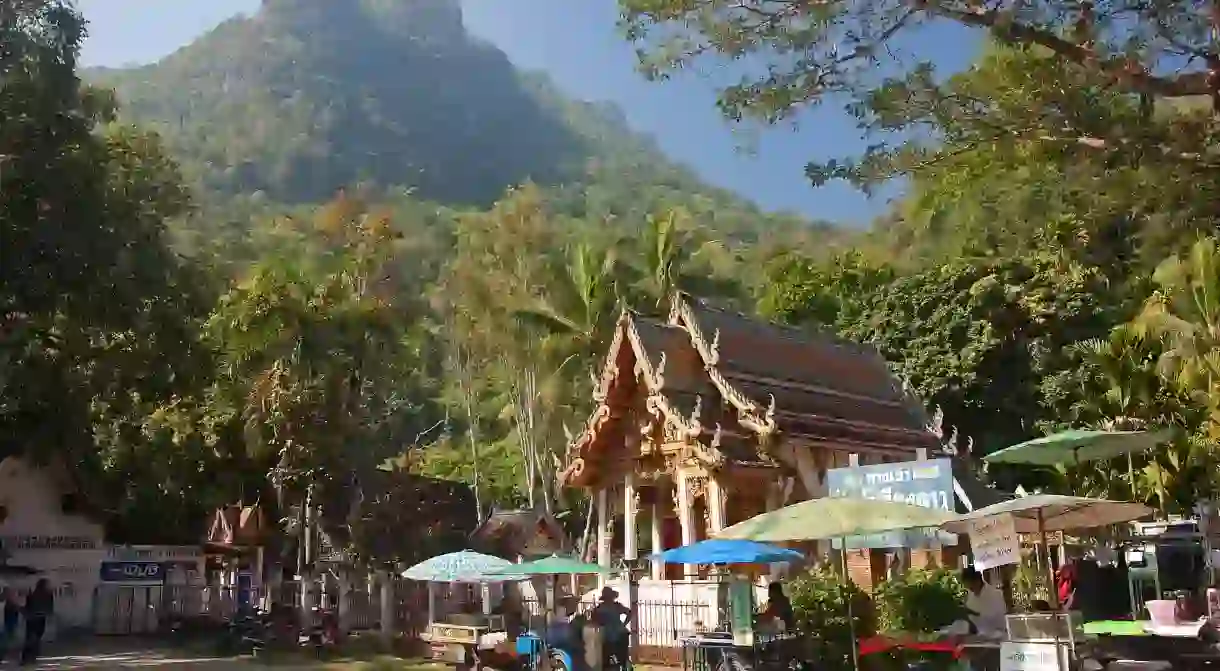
39 606
988 612
11 613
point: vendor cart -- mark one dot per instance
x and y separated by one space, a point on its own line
464 640
574 645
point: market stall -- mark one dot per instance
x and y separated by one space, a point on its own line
836 519
749 642
994 533
565 639
460 638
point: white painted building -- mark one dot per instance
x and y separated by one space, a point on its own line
36 531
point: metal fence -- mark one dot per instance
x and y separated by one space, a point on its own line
659 623
148 609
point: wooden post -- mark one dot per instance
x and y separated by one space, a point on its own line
603 532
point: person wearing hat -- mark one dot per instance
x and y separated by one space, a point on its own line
613 618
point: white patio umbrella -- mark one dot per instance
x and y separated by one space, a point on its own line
1040 513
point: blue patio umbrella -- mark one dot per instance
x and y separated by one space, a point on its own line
728 551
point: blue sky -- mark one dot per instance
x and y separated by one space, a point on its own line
577 43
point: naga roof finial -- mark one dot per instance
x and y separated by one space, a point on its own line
659 374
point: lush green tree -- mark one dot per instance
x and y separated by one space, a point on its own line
98 317
979 339
317 359
812 53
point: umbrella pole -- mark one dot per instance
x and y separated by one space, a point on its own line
851 618
1131 475
1050 572
1050 566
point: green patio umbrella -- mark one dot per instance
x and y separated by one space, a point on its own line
553 565
829 518
1077 446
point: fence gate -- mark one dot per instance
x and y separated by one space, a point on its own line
126 609
145 609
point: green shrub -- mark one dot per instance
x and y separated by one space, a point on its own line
819 603
920 601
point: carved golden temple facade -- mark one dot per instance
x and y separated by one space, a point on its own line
712 417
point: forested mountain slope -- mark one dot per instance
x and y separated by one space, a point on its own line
305 98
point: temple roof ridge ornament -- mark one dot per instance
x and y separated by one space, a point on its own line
601 386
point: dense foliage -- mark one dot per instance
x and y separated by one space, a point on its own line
361 270
920 601
821 599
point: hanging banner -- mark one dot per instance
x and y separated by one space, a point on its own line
741 612
994 542
926 483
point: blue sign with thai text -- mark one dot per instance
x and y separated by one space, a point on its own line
132 571
926 483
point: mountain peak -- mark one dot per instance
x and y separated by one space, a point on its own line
429 19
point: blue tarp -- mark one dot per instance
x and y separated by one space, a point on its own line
717 551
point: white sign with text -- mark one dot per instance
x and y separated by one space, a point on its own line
994 542
1033 657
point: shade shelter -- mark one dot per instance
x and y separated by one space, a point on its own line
553 565
1041 513
831 518
1077 446
464 566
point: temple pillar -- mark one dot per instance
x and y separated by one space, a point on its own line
658 543
630 510
715 506
686 516
603 532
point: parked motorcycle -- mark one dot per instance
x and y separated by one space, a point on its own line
323 633
246 633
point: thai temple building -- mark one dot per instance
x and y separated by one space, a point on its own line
711 417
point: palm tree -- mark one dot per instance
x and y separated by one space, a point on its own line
577 310
669 257
1184 313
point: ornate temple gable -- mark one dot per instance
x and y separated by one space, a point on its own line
634 367
808 385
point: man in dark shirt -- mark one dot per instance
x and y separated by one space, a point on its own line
39 605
